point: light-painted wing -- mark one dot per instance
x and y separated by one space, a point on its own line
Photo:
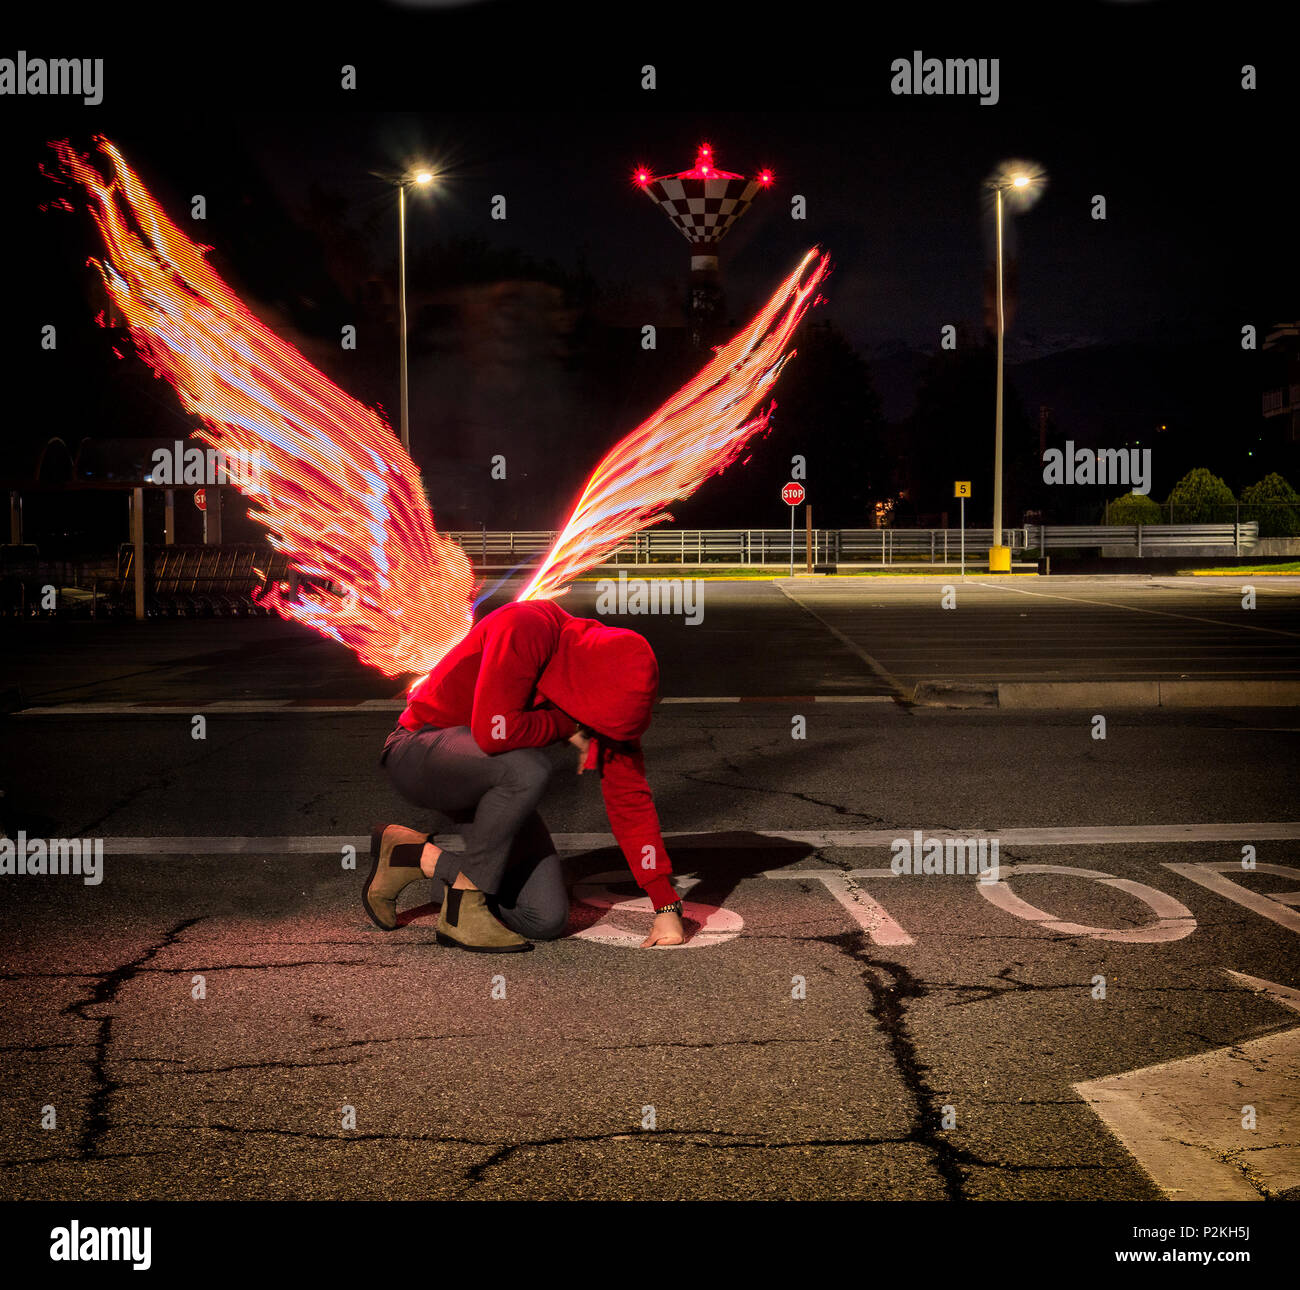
332 484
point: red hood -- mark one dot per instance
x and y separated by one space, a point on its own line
605 678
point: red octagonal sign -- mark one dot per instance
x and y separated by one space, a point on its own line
792 494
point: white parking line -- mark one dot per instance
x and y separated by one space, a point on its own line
1137 609
242 706
877 668
1182 1123
291 707
1108 835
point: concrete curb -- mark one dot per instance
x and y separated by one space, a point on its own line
955 694
1113 694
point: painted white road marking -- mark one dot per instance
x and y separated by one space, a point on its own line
1210 874
716 923
1286 995
244 707
1229 585
1173 920
1182 1120
869 914
784 698
877 668
1140 609
319 844
291 707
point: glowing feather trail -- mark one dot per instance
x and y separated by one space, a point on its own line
335 489
337 493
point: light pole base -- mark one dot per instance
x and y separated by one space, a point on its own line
999 559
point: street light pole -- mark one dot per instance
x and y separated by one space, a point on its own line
997 431
1025 184
419 176
401 311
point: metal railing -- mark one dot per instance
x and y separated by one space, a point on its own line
1136 537
220 579
931 546
667 545
658 545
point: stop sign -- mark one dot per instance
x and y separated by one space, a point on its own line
792 494
201 499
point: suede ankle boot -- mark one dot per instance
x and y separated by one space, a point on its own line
395 852
467 923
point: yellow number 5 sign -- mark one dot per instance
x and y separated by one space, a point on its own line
961 488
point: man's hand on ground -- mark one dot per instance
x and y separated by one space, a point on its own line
581 743
667 929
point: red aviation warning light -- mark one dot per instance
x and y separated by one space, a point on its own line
705 201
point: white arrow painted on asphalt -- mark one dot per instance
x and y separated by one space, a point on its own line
1182 1120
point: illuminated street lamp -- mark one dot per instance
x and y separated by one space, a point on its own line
421 178
1022 182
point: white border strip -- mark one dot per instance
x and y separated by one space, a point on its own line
290 706
317 844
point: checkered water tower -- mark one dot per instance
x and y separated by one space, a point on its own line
704 203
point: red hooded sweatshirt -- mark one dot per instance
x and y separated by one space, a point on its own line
526 675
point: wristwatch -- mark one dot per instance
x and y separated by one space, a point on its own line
674 908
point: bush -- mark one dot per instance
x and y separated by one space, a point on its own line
1274 504
1201 498
1134 508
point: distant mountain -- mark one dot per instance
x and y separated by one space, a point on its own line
1107 394
1023 347
1098 393
895 370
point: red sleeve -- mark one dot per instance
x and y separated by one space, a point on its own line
514 654
635 822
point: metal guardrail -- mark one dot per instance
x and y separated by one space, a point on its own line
933 546
219 579
862 546
667 544
1135 537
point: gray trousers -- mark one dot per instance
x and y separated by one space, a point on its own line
508 853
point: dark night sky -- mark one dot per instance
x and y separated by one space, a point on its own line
897 201
541 104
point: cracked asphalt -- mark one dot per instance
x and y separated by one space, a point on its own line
201 1023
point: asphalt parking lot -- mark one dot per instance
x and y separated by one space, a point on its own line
215 1017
